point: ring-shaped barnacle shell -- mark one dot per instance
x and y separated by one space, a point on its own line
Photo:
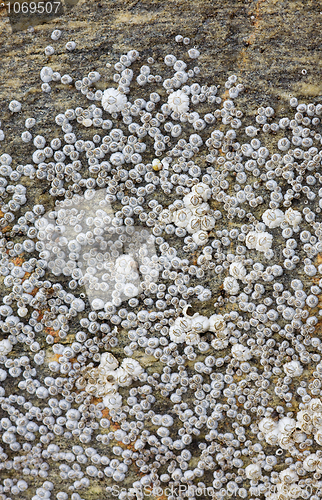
237 270
200 237
178 101
273 218
231 285
113 100
192 200
194 224
181 218
216 323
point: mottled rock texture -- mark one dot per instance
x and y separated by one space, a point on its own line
273 46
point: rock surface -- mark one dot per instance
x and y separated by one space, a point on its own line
274 47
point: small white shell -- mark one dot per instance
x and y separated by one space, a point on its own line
237 270
113 101
231 285
241 352
179 101
273 218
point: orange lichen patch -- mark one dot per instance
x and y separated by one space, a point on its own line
319 259
114 426
317 262
95 401
17 261
55 357
257 19
105 412
162 497
40 311
53 333
225 95
195 257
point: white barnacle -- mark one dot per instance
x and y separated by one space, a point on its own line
285 441
287 425
46 74
97 304
251 239
117 159
200 237
231 285
178 101
113 100
113 402
273 218
241 352
194 224
203 190
125 264
318 436
132 367
108 361
267 425
289 476
110 376
199 323
253 471
237 270
181 218
218 344
180 328
130 290
156 164
315 405
192 338
201 210
317 420
166 216
5 347
283 144
14 106
207 222
305 421
293 217
78 304
216 323
293 368
177 335
108 389
192 200
273 437
264 241
122 377
311 462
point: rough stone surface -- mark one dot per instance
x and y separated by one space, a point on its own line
274 47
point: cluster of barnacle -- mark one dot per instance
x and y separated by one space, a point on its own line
193 214
188 329
104 380
88 242
175 171
288 434
285 433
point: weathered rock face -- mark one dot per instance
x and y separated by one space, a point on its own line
274 48
268 43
